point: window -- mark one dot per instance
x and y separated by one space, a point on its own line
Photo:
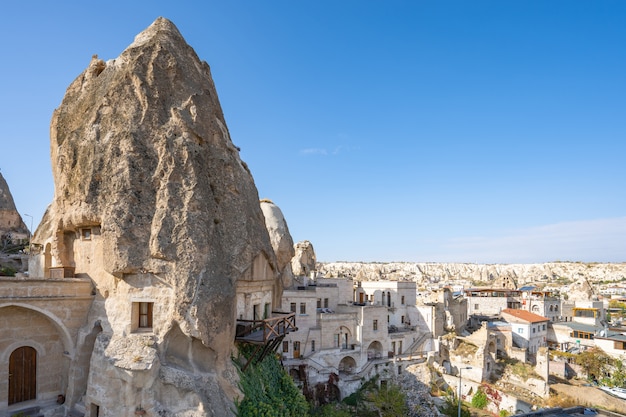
534 329
296 347
375 325
402 319
285 346
543 327
292 307
145 315
475 306
325 302
302 308
520 330
319 303
85 234
337 338
312 345
402 300
142 316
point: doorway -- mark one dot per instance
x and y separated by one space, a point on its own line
22 375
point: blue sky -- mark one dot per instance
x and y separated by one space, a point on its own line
447 131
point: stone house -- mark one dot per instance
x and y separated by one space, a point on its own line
543 303
612 343
529 331
42 350
345 335
491 301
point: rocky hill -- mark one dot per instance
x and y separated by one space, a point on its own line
477 274
10 219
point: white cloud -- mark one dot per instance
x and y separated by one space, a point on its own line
313 151
600 240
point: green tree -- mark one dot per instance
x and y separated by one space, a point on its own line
269 392
331 410
390 400
595 362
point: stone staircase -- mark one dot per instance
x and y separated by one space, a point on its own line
27 412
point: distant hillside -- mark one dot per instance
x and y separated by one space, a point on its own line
476 273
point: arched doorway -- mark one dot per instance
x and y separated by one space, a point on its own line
374 350
22 375
347 365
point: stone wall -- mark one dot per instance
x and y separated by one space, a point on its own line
45 315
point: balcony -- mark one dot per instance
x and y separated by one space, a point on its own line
263 331
266 334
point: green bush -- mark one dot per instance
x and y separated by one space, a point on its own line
479 400
7 271
450 408
269 391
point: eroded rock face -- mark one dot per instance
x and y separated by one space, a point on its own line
281 239
11 224
303 262
154 204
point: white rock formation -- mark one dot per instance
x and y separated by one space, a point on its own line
153 203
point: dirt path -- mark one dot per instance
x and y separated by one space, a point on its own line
591 396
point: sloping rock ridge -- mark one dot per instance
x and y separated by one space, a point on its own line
153 203
10 219
484 274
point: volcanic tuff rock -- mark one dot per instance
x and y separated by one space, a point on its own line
10 219
281 239
479 274
142 156
304 261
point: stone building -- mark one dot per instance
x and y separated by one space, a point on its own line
347 335
529 330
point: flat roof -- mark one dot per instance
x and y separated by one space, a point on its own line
578 326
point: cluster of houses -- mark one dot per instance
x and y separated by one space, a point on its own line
350 330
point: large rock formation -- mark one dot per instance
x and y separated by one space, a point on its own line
11 224
304 260
281 239
154 204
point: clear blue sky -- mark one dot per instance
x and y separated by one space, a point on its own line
458 131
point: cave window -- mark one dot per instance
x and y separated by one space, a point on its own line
142 316
85 234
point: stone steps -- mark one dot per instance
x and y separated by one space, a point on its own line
27 412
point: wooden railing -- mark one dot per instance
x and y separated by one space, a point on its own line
263 330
